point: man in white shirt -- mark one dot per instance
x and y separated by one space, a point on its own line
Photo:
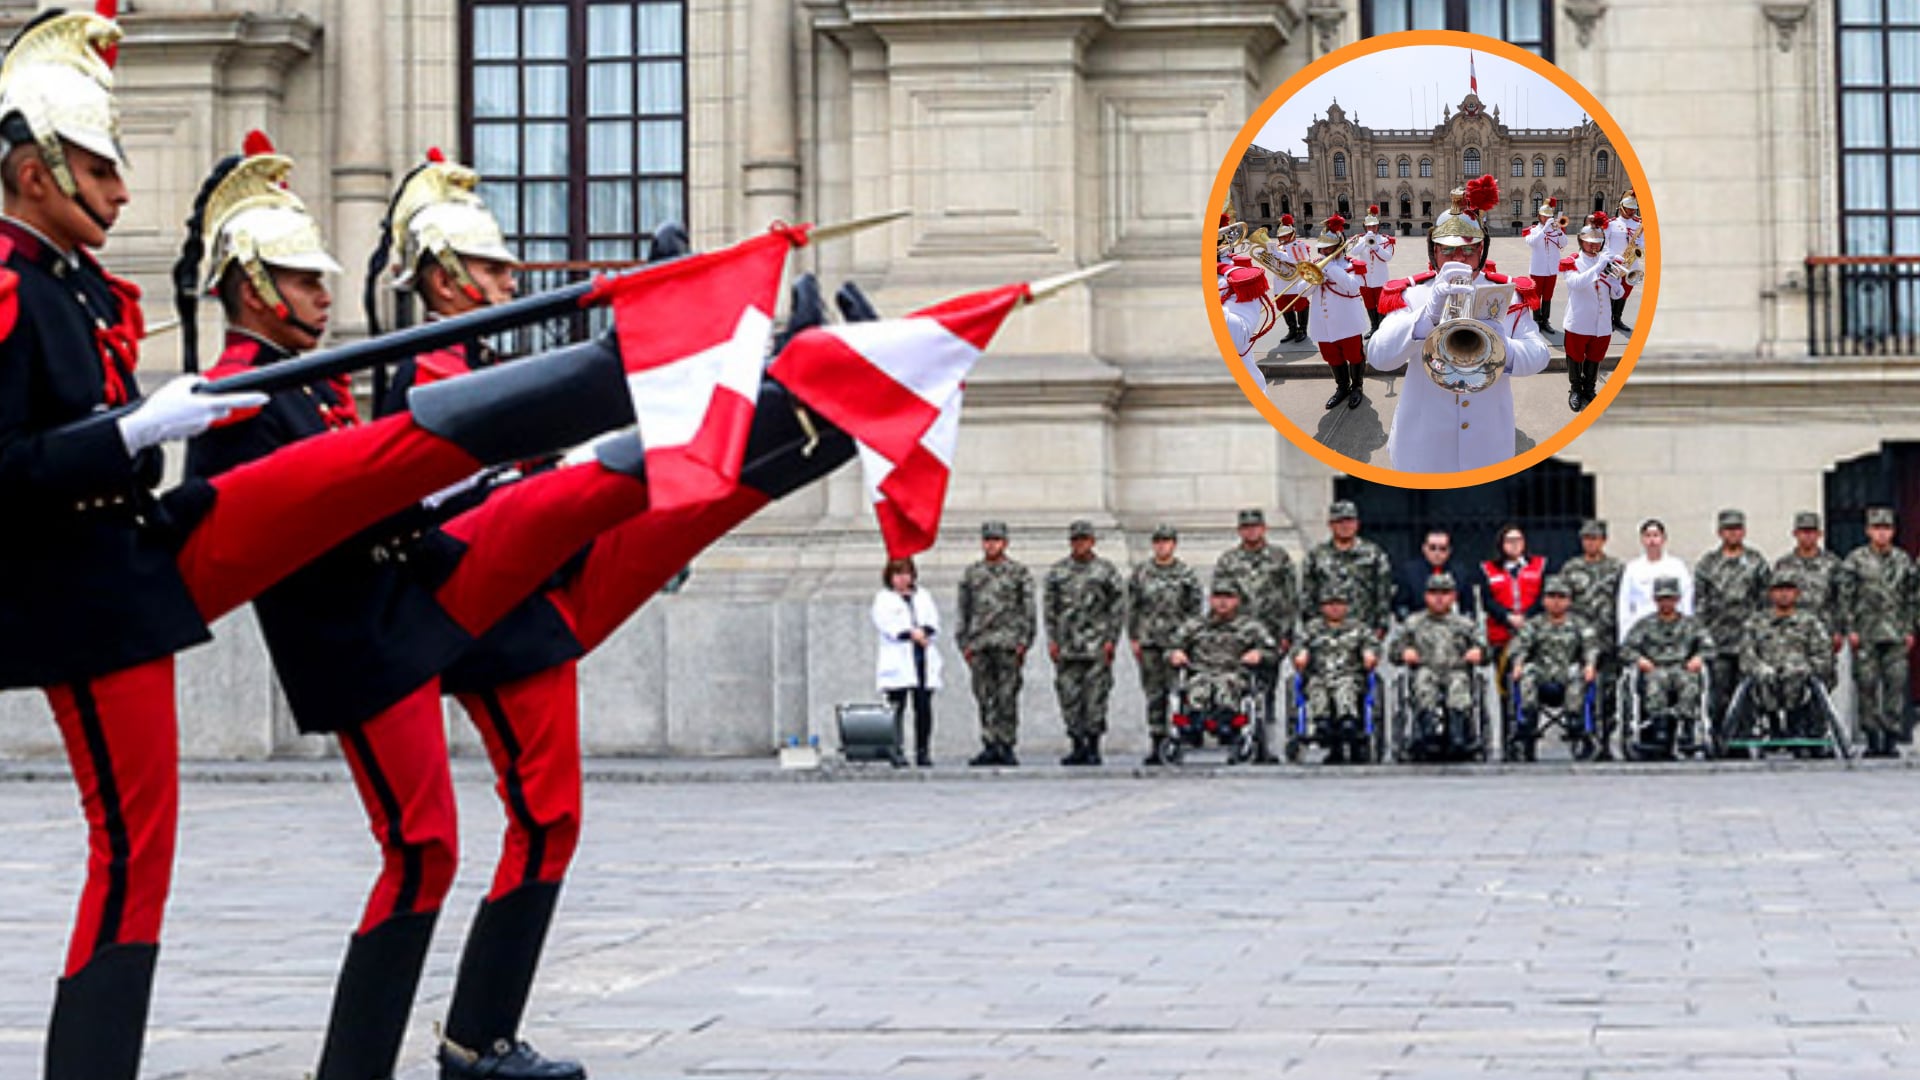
1636 580
1623 234
1544 240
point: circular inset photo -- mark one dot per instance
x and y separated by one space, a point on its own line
1430 259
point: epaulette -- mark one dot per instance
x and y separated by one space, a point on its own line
1497 279
1567 265
1393 295
440 364
1487 269
1526 295
1357 267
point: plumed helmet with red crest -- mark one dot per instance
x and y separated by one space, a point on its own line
251 216
1373 215
1547 208
1286 226
437 213
56 85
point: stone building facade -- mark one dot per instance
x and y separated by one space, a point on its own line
1031 139
1408 172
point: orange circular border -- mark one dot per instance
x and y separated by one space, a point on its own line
1650 288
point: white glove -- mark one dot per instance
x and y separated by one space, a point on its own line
1453 280
175 411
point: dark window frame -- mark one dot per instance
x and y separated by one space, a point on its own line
1890 213
1456 18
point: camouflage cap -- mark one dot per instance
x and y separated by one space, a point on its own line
1253 515
1556 586
1783 578
1806 519
1441 582
1081 527
1336 592
993 530
1342 509
1226 586
1733 519
1165 531
1880 515
1594 527
1666 586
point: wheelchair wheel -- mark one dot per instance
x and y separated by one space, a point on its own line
1583 747
1172 749
1292 751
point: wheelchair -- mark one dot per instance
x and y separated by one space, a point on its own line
1439 734
1347 740
1683 733
1812 730
1575 718
1240 730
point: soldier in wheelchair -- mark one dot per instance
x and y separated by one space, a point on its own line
1665 697
1554 662
1439 698
1334 685
1220 658
1785 663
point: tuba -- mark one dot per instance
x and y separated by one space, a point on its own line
1626 267
1314 273
1462 355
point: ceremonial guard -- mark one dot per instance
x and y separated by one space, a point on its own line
1556 649
1545 238
1375 249
1290 249
1593 281
1593 578
1249 300
1354 562
1879 613
1085 599
1268 592
1217 649
1782 649
1436 429
1334 656
1442 647
1729 588
995 631
1624 242
1818 572
1338 316
1669 648
1162 594
121 579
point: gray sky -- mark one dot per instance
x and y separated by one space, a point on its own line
1405 88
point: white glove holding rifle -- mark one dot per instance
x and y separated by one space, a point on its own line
175 411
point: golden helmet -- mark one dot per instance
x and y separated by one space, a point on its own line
1459 230
1629 201
56 84
437 212
254 218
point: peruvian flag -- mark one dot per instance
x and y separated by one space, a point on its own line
1473 79
895 385
693 334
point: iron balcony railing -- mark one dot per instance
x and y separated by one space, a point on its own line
1863 305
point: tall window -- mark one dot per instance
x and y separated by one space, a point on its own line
1406 207
1339 166
1600 162
575 117
1380 168
1880 127
1519 167
1426 167
1539 166
1526 23
1406 168
1519 207
1472 163
1559 166
1266 210
1599 201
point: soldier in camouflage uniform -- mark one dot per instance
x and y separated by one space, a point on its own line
1557 651
1670 650
1265 576
1333 656
1356 562
1442 648
1729 588
1593 576
1217 648
1162 595
1818 571
996 629
1085 600
1879 606
1781 650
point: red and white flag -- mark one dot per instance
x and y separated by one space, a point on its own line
895 386
1473 79
693 335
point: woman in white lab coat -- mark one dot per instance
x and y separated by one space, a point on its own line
908 668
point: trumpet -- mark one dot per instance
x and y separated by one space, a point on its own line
1315 273
1563 222
1462 355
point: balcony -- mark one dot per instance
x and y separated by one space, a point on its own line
1863 305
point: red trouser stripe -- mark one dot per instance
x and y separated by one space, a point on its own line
120 735
399 765
1627 290
275 515
1372 296
531 728
525 532
1345 351
1590 348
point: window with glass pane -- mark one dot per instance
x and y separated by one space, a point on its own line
1519 167
1559 166
1600 162
1539 166
1472 163
1879 126
1380 168
1339 166
576 118
1426 167
1526 23
1406 168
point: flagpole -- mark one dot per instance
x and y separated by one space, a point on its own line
1042 289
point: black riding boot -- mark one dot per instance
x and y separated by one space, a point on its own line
1078 756
1575 399
1340 386
1356 385
1093 750
490 996
922 740
373 997
989 755
1619 310
1298 320
1590 380
100 1016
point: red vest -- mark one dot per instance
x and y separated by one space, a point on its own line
1513 593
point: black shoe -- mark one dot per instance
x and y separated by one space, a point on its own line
1337 755
988 755
504 1061
1006 755
1340 387
897 758
922 758
1357 388
1093 751
497 969
1155 756
1078 756
1575 401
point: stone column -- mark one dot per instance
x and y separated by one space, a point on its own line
772 166
362 177
1789 136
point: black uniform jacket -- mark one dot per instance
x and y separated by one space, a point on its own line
90 555
357 629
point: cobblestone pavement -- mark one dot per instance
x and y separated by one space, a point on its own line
1750 923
